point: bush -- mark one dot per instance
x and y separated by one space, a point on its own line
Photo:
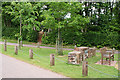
9 32
32 36
69 36
45 39
13 33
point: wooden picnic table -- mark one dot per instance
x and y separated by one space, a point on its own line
74 57
83 48
87 52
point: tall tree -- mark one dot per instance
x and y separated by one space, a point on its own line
25 13
62 13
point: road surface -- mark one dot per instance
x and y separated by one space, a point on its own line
13 68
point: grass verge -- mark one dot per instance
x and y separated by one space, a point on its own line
41 59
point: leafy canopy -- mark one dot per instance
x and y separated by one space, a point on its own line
55 16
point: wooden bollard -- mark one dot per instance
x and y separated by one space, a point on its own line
78 58
52 60
5 45
31 53
16 50
85 68
83 72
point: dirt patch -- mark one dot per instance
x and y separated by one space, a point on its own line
113 63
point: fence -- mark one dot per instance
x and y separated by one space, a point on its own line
101 71
53 58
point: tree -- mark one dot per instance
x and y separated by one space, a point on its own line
26 14
55 17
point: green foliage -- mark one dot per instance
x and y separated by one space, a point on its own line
13 33
85 26
50 38
32 36
9 32
45 40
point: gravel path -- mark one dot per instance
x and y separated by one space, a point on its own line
45 46
13 68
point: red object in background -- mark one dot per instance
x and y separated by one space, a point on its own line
40 36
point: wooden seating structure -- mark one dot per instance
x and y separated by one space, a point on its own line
108 54
75 57
91 52
87 51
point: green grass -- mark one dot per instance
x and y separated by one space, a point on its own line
74 71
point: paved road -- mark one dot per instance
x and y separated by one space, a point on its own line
13 68
45 46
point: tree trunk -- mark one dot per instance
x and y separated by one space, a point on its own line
4 21
82 30
59 47
85 29
20 33
20 24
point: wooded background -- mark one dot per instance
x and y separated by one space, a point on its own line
84 24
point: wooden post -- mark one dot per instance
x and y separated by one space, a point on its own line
52 60
31 53
5 45
94 52
85 68
16 50
78 58
109 58
83 64
102 59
